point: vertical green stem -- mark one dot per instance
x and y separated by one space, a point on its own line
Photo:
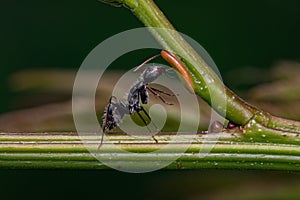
206 83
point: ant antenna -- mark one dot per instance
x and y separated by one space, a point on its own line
145 62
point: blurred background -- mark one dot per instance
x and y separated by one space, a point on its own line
255 44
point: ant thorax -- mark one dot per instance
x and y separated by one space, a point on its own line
137 91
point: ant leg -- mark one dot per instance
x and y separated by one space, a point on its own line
149 118
156 94
101 142
163 92
156 141
152 123
146 123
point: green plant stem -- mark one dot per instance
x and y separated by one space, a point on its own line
66 151
206 82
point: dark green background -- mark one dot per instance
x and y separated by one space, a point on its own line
59 34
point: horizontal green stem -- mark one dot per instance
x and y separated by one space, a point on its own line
40 151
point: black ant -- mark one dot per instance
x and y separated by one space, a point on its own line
115 111
113 114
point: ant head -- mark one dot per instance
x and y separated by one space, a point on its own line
153 72
145 62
